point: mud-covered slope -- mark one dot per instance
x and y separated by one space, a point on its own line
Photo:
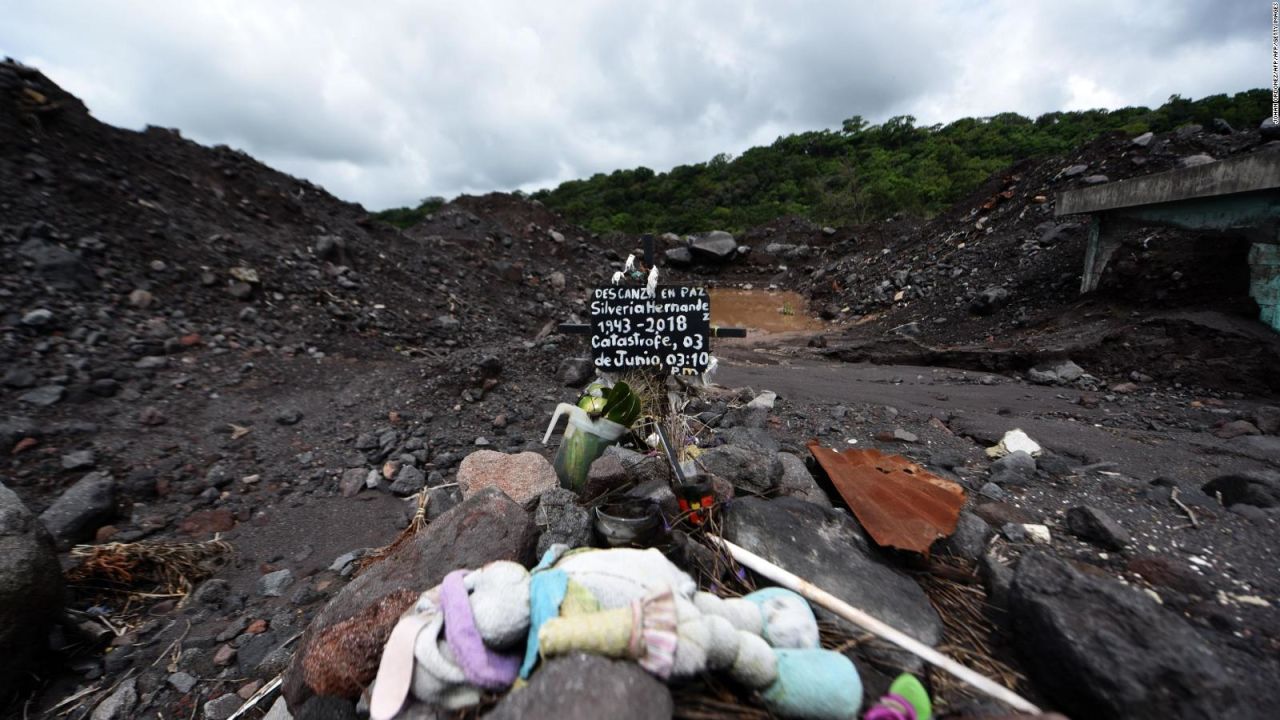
999 272
96 213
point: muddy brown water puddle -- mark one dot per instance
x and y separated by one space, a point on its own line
769 311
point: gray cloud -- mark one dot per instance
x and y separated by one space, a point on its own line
391 102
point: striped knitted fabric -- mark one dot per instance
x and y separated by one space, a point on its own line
657 633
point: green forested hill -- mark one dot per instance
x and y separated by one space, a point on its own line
858 173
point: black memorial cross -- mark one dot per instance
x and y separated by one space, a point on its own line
688 320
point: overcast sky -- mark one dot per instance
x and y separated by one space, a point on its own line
387 102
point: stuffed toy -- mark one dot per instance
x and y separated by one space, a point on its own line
486 629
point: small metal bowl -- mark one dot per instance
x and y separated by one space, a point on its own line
627 524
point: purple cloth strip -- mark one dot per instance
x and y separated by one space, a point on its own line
483 667
885 709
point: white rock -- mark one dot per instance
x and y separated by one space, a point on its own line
1038 534
1013 441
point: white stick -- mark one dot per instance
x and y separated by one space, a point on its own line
858 617
257 697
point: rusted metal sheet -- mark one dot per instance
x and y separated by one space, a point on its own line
900 504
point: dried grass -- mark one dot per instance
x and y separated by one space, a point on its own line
415 526
146 569
715 570
967 635
710 698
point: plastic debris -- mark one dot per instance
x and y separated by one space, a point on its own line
906 700
1013 441
586 437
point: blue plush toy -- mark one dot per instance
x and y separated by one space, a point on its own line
767 640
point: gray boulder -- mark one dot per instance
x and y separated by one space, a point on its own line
330 247
605 474
273 584
1095 526
989 300
748 468
798 482
1068 371
1269 129
716 245
678 256
14 428
575 372
119 705
747 416
1197 159
1016 468
1041 376
562 520
827 548
586 687
43 396
1267 419
1099 649
81 509
408 481
31 589
757 439
58 265
1260 488
970 538
641 468
485 527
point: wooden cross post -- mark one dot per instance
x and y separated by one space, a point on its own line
667 332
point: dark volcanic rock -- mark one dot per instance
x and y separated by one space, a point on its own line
748 468
562 520
585 687
679 256
60 266
797 481
340 651
81 509
989 300
1267 419
1101 650
1269 129
31 590
605 474
575 372
1260 488
327 708
828 549
1095 526
715 245
969 539
14 428
1016 468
